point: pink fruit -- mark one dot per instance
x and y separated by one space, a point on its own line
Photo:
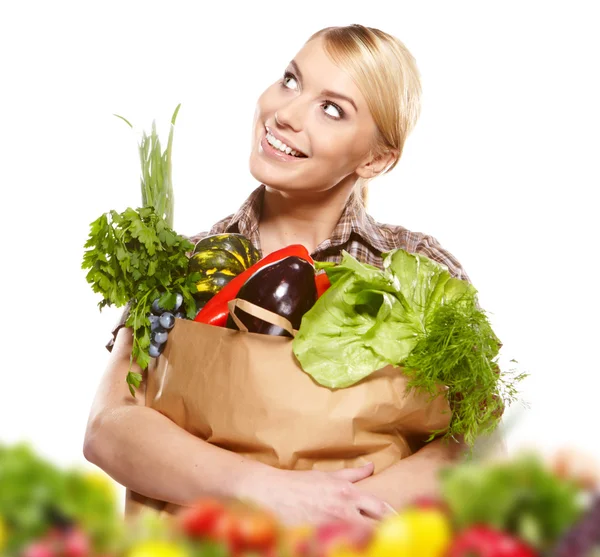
335 534
76 544
39 549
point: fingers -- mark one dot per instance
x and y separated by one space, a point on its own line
354 474
373 507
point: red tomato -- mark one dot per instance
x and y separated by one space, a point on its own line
226 530
201 519
257 530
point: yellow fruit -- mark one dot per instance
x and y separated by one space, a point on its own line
103 482
422 532
157 548
343 551
3 534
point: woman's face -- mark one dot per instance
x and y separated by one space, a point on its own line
318 110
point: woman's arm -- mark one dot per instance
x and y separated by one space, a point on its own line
145 451
414 476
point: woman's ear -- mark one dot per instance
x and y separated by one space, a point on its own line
375 164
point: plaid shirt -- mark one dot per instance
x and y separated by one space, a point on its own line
356 232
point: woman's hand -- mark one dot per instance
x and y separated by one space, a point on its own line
312 496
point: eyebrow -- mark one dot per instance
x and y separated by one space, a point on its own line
325 92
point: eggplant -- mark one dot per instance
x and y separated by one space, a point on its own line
286 287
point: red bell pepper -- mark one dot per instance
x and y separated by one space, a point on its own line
322 282
484 541
216 310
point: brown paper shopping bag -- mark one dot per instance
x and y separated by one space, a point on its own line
247 393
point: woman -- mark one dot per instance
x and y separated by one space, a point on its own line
338 118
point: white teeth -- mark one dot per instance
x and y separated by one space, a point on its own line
281 146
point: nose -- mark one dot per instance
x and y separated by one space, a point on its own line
290 115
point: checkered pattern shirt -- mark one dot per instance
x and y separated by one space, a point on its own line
356 233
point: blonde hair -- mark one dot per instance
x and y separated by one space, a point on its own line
386 74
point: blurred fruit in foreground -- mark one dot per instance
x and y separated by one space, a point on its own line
577 466
581 538
425 532
68 542
199 521
239 527
521 496
298 540
485 541
341 539
101 482
158 548
37 496
3 534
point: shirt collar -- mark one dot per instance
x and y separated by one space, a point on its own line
246 220
354 220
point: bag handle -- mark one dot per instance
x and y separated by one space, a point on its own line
259 313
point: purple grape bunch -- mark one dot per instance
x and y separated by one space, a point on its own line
161 322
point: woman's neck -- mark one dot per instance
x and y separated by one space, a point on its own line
289 218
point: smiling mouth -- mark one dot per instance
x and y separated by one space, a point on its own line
282 147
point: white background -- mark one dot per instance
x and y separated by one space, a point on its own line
502 169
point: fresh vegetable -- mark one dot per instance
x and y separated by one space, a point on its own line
45 513
156 178
286 287
422 532
42 502
216 310
135 256
484 541
227 249
199 520
322 282
241 528
521 496
256 530
414 314
218 259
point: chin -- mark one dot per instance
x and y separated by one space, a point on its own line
270 175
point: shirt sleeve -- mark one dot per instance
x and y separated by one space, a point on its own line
431 248
120 323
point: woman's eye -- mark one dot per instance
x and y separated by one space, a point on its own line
287 77
336 111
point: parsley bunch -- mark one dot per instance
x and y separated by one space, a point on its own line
135 257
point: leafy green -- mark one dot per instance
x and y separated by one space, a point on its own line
156 179
414 314
521 496
134 257
32 489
